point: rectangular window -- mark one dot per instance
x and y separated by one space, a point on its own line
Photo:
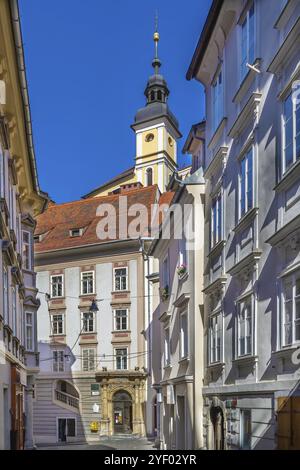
121 319
216 220
184 349
14 309
247 41
29 330
165 273
245 432
291 310
246 183
2 174
217 100
245 327
182 252
121 359
291 132
26 250
87 282
88 322
57 324
88 359
57 286
5 296
167 346
58 361
215 337
121 281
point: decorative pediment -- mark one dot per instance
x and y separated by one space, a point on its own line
290 229
28 220
289 46
245 267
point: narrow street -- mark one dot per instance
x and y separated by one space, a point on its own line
112 443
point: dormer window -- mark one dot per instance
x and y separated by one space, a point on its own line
76 232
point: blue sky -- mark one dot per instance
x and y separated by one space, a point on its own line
87 67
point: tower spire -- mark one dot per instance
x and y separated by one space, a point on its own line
156 63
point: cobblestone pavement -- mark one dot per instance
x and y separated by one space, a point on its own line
112 443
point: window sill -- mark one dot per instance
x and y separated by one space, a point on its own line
125 291
87 295
216 365
286 351
216 249
246 82
248 359
120 331
217 134
184 360
246 219
84 333
289 177
167 367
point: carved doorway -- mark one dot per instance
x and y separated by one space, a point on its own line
122 412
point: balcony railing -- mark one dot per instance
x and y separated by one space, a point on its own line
67 399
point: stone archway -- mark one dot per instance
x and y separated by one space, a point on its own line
122 412
132 385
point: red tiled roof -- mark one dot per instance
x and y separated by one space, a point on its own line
57 221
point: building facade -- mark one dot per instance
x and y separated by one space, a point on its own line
20 201
247 59
179 250
94 370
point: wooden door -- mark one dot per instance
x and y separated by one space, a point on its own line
288 423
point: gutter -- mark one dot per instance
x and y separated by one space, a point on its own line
17 33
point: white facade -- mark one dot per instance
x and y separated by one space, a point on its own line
252 223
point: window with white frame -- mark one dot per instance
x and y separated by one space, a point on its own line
2 174
216 220
245 329
58 364
88 322
182 252
29 330
87 282
57 323
121 279
14 309
165 272
217 100
88 359
167 346
27 250
184 335
5 296
291 132
215 337
121 356
291 310
57 285
246 183
121 319
247 41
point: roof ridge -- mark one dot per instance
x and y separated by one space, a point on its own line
129 191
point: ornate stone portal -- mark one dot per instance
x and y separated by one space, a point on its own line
131 382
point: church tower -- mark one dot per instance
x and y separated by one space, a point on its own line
156 130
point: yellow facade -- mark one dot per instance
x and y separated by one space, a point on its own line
12 111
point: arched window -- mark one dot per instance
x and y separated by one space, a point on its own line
159 95
152 96
149 177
